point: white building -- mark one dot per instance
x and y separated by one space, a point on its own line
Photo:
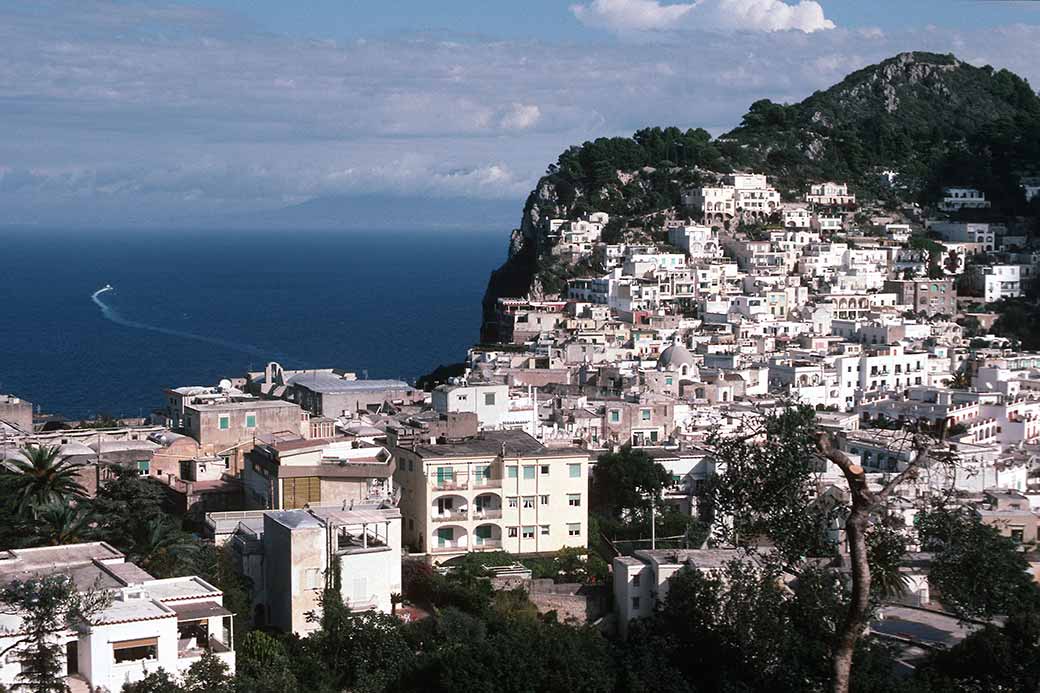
997 281
149 625
500 491
796 218
641 580
699 242
489 401
830 194
962 232
955 199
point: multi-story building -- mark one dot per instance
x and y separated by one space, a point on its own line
228 429
16 413
996 281
149 624
930 296
502 490
299 473
832 194
956 199
491 402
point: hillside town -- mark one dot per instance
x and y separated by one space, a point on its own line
879 323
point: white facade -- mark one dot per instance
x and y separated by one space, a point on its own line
502 491
149 625
301 546
955 199
998 281
830 194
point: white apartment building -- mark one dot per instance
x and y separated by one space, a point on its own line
491 402
500 491
828 224
796 218
748 193
150 624
830 194
955 199
637 264
699 242
997 281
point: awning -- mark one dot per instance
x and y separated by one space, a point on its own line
199 611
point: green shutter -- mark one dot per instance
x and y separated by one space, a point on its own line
444 535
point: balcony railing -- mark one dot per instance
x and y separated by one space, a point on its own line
488 514
454 516
486 482
448 548
450 484
487 544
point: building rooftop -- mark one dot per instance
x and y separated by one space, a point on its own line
328 383
493 443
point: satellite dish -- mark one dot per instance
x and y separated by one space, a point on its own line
224 385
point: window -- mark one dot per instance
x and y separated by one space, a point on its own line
300 491
573 529
445 475
544 500
224 422
512 532
529 472
527 533
574 500
635 580
135 650
644 414
545 470
511 472
445 535
667 381
250 420
528 502
574 471
545 530
1018 534
635 602
142 466
615 416
489 399
513 502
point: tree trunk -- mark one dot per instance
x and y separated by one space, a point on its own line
855 621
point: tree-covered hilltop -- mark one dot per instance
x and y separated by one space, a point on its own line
931 118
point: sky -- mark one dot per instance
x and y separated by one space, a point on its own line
127 113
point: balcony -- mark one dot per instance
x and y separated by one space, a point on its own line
489 514
488 545
450 516
486 482
450 485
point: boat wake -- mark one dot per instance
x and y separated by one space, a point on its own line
113 315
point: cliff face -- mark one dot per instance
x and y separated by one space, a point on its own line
931 118
517 276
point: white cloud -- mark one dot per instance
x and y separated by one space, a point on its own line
636 16
630 15
520 117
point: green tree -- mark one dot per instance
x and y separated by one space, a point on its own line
157 682
126 494
263 666
627 482
47 606
978 572
59 524
766 492
208 675
40 475
163 549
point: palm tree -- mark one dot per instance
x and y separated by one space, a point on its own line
58 524
39 476
162 548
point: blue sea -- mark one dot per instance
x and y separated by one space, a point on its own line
191 307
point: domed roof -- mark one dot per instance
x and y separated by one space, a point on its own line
675 357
